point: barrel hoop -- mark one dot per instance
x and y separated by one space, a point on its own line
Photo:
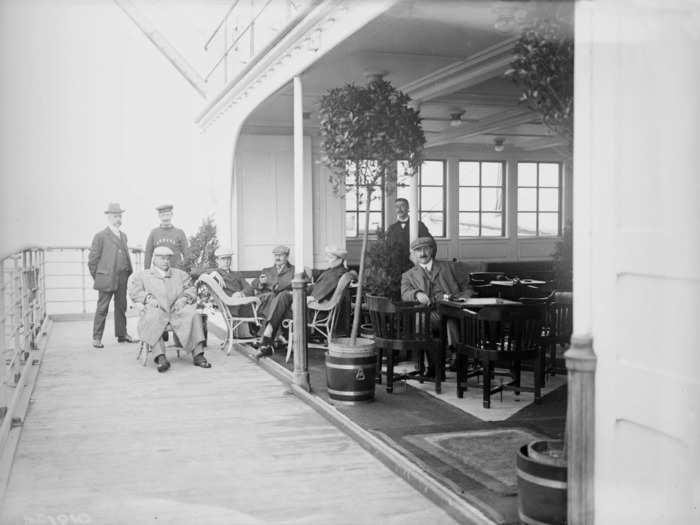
527 520
350 392
351 367
542 482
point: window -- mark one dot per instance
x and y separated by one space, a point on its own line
539 199
355 205
481 199
431 196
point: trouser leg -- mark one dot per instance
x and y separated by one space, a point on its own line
120 306
101 311
158 348
281 308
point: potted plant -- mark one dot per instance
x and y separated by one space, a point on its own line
383 268
365 131
543 68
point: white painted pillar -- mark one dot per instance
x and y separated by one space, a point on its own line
413 200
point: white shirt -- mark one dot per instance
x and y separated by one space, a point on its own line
428 267
403 223
115 231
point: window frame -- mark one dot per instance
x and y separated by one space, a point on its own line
381 188
537 187
480 212
443 210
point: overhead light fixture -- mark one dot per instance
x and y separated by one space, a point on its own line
456 119
498 143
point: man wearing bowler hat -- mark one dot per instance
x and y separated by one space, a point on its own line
166 235
110 266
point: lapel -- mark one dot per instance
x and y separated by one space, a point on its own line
113 238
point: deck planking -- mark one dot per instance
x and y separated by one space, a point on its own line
107 440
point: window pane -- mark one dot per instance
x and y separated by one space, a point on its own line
375 221
376 203
527 199
491 224
548 224
401 169
527 174
469 199
350 176
468 173
527 225
549 199
549 175
431 199
351 199
350 224
492 174
435 223
468 224
362 198
491 199
404 192
431 173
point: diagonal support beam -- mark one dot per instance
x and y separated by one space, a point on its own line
164 46
504 119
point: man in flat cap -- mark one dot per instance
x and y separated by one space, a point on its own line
399 234
166 235
319 290
429 280
274 279
168 296
110 266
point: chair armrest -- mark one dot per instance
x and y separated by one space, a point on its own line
223 296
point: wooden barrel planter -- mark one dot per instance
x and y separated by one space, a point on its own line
541 486
350 370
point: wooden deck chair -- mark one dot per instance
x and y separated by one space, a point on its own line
221 301
324 314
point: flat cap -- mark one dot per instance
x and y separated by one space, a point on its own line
164 207
224 252
162 250
422 242
341 253
280 250
113 207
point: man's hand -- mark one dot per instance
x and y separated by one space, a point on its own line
262 279
422 298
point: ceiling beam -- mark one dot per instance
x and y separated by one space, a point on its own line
503 119
478 100
489 63
543 143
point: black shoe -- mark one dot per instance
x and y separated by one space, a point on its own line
162 364
429 374
201 361
127 339
264 351
97 343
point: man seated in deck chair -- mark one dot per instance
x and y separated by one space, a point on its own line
168 297
428 281
320 290
233 283
274 280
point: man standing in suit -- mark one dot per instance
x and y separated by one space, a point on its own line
399 233
110 266
274 279
166 235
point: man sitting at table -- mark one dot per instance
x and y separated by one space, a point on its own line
318 291
274 279
168 297
430 280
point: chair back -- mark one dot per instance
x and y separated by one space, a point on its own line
398 321
504 328
340 289
560 317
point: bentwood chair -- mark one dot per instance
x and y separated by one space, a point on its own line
503 336
558 324
403 327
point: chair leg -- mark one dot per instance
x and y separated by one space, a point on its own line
439 358
553 360
390 371
461 380
487 383
516 374
378 368
421 365
539 376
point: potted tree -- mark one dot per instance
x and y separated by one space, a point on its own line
543 68
365 131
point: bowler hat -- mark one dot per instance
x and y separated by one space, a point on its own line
422 242
280 250
113 207
341 253
162 250
164 207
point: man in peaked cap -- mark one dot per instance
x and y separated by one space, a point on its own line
110 266
166 235
428 281
274 279
318 291
168 297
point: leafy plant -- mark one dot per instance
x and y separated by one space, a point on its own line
544 69
384 268
563 260
365 130
202 247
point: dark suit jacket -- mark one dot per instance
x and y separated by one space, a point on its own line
326 283
401 239
276 282
442 279
103 258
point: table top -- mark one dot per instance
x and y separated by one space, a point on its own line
478 301
511 282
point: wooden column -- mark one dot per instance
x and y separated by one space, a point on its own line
580 429
413 203
301 203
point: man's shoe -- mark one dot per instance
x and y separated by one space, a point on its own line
162 364
201 361
429 374
127 339
97 343
264 351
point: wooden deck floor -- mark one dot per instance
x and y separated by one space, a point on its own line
107 441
